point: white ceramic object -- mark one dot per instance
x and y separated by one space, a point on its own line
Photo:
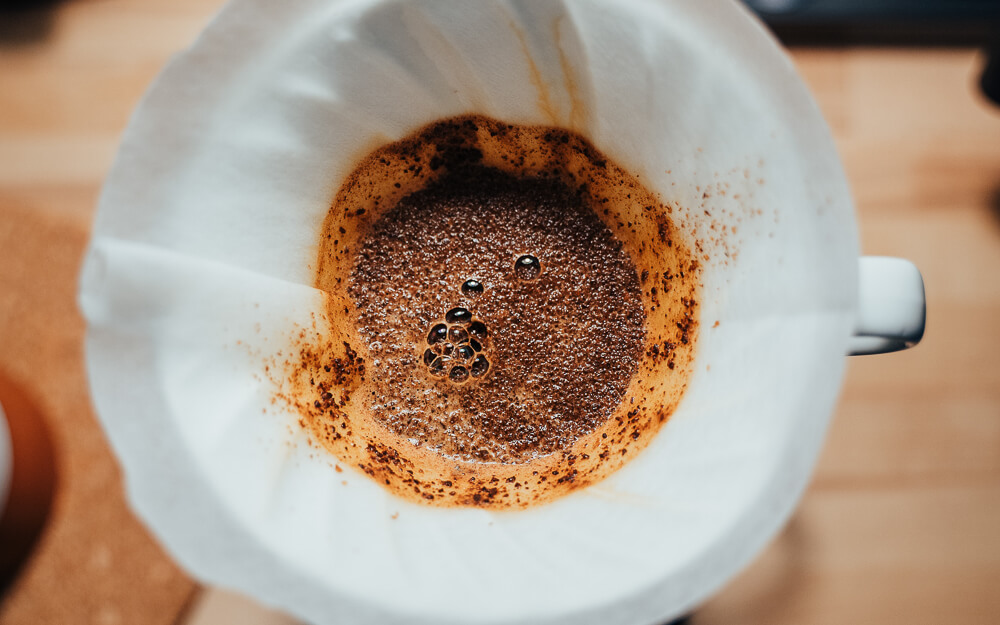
200 270
891 308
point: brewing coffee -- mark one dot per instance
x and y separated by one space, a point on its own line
496 296
541 354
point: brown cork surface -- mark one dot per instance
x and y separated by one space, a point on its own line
71 76
93 553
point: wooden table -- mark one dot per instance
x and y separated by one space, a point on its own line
902 521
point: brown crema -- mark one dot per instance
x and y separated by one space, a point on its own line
509 316
562 338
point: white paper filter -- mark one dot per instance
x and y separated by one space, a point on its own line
201 264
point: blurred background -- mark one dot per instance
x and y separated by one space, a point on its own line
900 524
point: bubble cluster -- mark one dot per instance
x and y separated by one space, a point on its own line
456 347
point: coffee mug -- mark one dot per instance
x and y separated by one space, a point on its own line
6 460
202 267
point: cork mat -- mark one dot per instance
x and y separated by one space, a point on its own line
94 562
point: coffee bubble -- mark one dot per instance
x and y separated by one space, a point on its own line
527 267
458 374
458 315
439 367
480 366
464 353
472 287
438 334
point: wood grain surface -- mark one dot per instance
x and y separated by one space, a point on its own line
901 522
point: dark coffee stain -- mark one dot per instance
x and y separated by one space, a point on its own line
578 110
473 88
535 75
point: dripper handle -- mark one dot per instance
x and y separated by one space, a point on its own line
891 306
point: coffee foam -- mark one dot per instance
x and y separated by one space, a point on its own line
332 379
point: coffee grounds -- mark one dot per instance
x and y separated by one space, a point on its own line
507 316
558 295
